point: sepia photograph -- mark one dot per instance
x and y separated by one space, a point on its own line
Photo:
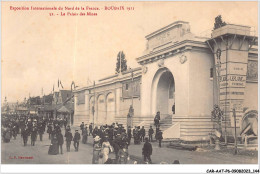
128 82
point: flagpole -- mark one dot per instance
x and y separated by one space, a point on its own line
93 109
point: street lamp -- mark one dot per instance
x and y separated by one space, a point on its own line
131 108
217 108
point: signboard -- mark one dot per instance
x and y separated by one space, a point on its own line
169 34
233 76
131 88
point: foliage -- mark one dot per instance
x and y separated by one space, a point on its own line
218 22
217 116
121 64
217 113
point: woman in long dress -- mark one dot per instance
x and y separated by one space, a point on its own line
54 147
96 150
106 148
85 135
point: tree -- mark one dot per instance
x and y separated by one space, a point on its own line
217 115
218 22
121 63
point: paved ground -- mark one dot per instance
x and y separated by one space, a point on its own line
39 152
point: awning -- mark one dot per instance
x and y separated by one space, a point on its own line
64 110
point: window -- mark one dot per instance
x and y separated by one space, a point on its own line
211 73
126 86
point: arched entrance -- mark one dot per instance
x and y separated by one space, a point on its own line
163 92
110 100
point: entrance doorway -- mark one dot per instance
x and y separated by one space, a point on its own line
163 92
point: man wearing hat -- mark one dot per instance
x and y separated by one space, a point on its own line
82 127
49 130
151 131
129 134
147 150
69 137
60 141
76 140
160 137
33 135
90 129
142 134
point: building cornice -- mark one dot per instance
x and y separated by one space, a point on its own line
111 82
174 24
171 50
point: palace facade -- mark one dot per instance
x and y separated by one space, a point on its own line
183 76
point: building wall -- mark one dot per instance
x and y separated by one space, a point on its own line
80 112
197 124
109 105
200 84
251 96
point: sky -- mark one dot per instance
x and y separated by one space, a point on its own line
38 49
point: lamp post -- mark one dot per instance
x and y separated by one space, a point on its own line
218 54
93 107
131 108
235 123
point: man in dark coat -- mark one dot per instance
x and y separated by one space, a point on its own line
147 150
14 131
150 134
156 132
157 119
40 130
60 141
82 127
116 145
160 137
142 133
173 108
110 134
25 133
33 135
90 128
129 134
76 140
95 132
49 130
69 137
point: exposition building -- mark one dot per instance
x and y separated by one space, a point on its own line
178 76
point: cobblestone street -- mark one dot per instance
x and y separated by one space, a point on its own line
39 153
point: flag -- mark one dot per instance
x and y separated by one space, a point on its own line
72 84
61 84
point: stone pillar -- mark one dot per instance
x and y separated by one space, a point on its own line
231 43
117 102
75 118
87 111
105 100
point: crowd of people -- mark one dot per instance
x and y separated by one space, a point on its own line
27 126
116 138
107 139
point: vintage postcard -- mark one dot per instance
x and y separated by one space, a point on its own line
128 82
